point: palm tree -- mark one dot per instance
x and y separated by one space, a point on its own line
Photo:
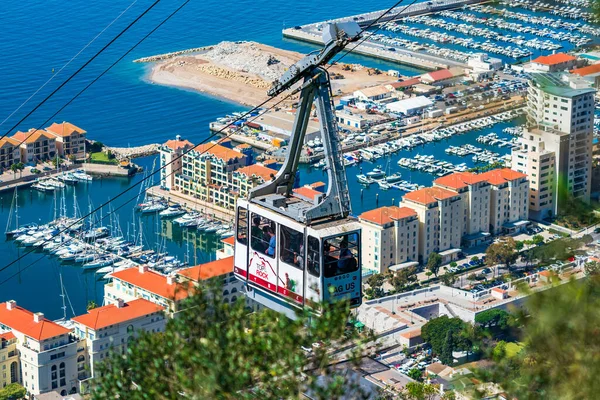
14 168
20 167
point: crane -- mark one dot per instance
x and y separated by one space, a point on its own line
293 251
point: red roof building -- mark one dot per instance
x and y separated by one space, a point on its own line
114 314
554 62
32 325
386 215
208 270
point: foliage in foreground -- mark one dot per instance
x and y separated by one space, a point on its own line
215 350
561 346
12 392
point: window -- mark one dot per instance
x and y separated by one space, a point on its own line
291 250
262 235
340 255
130 329
242 225
312 257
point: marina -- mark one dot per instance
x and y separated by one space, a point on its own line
450 32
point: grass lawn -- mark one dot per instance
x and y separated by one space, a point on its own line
512 349
102 157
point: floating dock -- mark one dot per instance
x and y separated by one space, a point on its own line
312 33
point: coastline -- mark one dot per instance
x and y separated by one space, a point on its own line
190 69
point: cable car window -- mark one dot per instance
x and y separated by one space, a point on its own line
292 247
262 235
312 257
242 225
340 255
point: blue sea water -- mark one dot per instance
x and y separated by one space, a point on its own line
122 109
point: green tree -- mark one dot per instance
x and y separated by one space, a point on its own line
14 168
375 281
537 239
502 252
57 161
559 359
434 262
403 277
420 391
91 305
493 317
217 350
13 391
475 259
415 374
446 354
499 351
453 264
519 245
20 167
435 330
592 268
587 239
448 279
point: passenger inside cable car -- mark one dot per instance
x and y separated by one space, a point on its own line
340 255
262 236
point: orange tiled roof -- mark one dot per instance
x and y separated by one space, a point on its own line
209 270
175 144
317 185
429 195
7 336
21 320
221 152
411 334
64 129
230 240
459 180
406 83
102 317
590 69
501 175
386 215
554 59
498 290
32 136
9 140
440 75
257 170
152 282
307 192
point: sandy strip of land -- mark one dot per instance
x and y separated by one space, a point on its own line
243 72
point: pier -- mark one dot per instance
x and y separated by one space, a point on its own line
312 33
192 203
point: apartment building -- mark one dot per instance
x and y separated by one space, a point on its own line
246 178
539 164
560 113
509 204
142 283
441 220
170 160
9 359
112 328
70 139
206 173
10 152
390 238
218 270
36 145
474 191
47 351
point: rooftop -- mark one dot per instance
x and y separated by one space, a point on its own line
589 70
22 320
176 144
501 175
112 314
439 75
429 195
459 180
374 91
230 240
9 140
557 84
405 83
7 336
219 151
307 192
209 270
153 282
32 135
64 129
554 59
386 215
257 170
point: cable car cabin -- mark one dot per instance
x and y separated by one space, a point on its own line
287 263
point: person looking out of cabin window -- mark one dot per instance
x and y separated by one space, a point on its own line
347 262
257 235
272 241
329 261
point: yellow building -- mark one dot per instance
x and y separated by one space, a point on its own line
36 145
10 152
9 359
70 139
